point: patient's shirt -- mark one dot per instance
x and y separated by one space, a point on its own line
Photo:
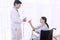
39 28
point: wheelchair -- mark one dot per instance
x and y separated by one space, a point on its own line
47 35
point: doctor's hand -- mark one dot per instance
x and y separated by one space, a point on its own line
30 21
25 19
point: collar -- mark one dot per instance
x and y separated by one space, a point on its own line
16 9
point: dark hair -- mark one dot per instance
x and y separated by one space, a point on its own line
44 18
17 2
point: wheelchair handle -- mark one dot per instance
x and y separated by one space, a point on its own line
53 28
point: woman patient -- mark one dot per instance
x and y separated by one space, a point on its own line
43 26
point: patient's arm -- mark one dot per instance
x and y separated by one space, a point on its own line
35 29
31 25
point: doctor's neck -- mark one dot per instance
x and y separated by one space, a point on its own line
15 7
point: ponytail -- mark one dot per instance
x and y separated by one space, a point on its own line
47 25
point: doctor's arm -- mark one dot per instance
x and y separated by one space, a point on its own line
23 17
34 29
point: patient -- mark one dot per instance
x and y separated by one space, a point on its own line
43 26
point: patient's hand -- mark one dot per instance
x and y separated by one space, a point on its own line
36 31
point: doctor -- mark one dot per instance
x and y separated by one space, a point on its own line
16 21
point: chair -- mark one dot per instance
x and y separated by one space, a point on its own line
47 35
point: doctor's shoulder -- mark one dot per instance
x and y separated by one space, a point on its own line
13 10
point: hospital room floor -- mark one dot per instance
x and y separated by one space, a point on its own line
58 38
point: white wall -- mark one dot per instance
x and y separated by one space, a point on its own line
32 9
56 16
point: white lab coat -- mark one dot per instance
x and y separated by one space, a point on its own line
16 25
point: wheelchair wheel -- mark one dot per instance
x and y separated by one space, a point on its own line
54 38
